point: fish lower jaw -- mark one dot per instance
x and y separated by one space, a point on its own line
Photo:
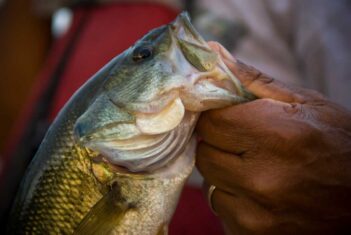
182 164
148 157
211 90
205 95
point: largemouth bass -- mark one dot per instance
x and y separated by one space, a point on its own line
116 158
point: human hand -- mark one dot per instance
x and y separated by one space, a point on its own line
281 164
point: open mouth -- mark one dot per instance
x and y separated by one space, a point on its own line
161 127
212 84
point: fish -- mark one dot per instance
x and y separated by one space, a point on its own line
115 159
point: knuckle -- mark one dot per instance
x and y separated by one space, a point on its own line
264 102
255 223
293 108
313 95
267 184
259 78
264 188
297 127
263 78
251 74
304 95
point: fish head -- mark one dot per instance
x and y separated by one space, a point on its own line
148 105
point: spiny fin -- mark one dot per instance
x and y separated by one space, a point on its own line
104 216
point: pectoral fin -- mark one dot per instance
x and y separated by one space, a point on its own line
104 216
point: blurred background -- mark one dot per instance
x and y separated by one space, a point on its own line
50 48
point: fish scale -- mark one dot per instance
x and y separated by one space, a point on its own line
66 189
149 202
117 156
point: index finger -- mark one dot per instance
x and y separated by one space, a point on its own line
262 85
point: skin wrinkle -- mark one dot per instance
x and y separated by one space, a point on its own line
228 186
265 80
246 215
239 191
250 76
213 122
225 125
222 184
292 109
235 123
293 177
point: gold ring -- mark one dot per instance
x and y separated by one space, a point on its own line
209 198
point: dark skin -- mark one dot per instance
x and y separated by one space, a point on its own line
281 164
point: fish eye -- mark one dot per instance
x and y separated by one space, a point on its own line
141 53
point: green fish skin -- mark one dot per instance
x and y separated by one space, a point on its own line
116 158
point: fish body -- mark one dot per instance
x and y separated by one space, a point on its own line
117 156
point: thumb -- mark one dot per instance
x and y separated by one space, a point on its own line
262 85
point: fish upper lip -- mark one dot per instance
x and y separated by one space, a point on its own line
220 71
183 23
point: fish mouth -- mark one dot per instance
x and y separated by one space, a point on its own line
212 84
146 143
159 130
184 30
